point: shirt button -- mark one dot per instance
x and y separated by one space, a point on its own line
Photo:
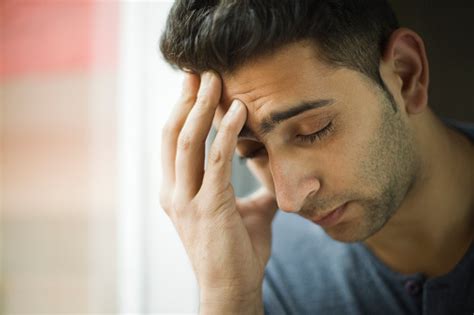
412 287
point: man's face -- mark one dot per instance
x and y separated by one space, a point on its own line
322 137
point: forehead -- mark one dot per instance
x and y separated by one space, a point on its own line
274 81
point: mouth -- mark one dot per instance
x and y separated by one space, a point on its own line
331 218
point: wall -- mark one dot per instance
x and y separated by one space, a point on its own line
57 156
447 28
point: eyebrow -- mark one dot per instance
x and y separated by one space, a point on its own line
275 118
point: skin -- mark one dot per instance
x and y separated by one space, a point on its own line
405 178
368 159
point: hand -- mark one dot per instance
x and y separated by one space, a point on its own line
227 240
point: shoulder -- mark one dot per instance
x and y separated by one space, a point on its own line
464 127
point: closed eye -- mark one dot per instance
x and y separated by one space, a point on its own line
311 138
317 136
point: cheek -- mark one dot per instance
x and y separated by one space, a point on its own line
355 160
340 163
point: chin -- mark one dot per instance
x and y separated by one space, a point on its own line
348 232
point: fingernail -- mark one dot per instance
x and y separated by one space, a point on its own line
206 77
234 107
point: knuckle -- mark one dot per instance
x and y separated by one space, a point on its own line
215 156
185 141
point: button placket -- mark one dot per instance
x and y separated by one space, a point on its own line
413 287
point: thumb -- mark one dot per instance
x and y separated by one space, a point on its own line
257 212
260 204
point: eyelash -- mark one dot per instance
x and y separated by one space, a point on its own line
317 136
312 138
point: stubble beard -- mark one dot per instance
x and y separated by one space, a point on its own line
390 169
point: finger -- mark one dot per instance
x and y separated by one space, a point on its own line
192 138
219 164
171 131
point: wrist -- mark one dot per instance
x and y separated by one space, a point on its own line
251 304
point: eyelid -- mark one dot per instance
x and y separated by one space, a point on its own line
314 130
310 138
314 122
318 135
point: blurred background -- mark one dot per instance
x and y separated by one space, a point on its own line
83 95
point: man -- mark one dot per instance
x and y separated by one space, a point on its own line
330 109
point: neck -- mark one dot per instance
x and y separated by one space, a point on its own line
434 226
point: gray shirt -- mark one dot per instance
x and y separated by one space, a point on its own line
310 273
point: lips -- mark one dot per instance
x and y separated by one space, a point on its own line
330 218
323 216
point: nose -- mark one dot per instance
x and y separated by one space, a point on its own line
293 183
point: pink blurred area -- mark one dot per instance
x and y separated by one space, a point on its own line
58 156
53 36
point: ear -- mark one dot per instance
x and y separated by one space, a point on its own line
404 61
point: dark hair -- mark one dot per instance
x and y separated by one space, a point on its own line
222 35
